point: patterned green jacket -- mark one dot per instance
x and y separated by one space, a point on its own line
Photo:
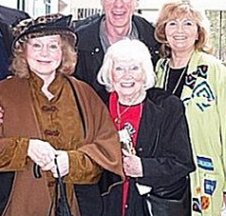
204 96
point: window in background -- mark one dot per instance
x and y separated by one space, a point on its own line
47 6
21 5
217 29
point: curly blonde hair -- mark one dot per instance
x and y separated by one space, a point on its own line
55 24
180 9
19 65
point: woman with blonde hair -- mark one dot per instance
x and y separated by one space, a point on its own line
188 71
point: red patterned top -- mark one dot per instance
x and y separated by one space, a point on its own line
125 117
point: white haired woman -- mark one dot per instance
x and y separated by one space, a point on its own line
157 155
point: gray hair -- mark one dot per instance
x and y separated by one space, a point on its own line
126 49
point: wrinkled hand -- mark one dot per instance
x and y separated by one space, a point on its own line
1 114
63 164
41 152
132 165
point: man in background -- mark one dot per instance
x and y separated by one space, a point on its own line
117 22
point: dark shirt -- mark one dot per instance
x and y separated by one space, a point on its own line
176 81
4 59
6 39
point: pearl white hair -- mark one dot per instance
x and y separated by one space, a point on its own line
126 50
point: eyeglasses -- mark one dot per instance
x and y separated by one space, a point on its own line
125 1
51 47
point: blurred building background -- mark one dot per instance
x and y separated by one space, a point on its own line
81 9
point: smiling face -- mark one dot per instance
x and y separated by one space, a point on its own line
44 54
181 34
128 79
119 12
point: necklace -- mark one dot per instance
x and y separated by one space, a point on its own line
179 80
117 120
119 115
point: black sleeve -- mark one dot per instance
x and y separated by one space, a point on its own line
6 179
7 37
173 159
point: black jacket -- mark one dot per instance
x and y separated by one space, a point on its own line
164 147
6 39
91 54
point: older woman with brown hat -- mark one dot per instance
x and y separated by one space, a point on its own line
51 117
